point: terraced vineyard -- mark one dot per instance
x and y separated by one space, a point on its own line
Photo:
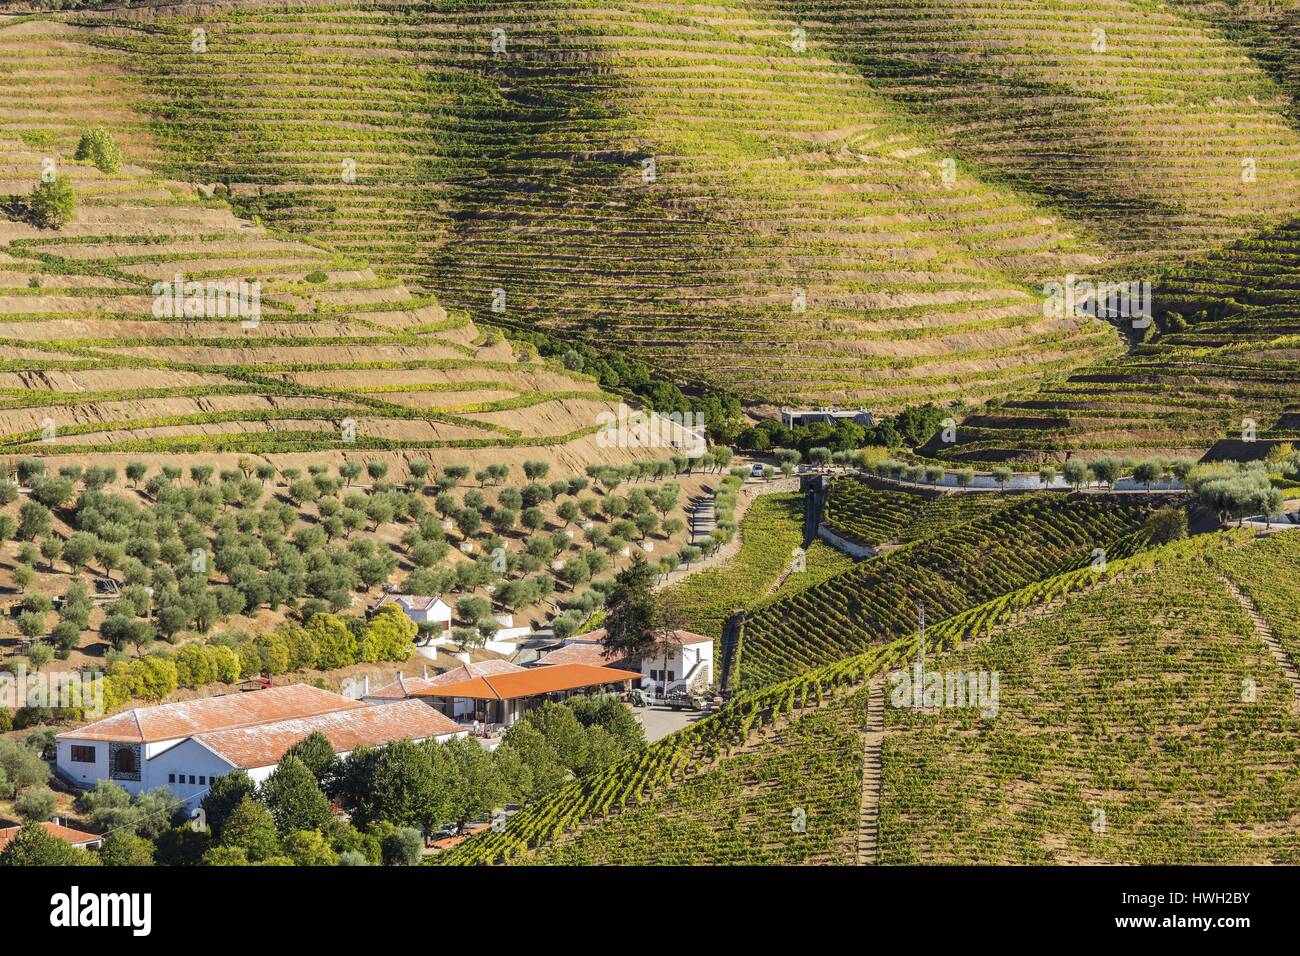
791 800
864 512
332 358
870 515
534 175
879 600
1269 573
531 178
943 513
607 817
1143 722
1227 355
1131 118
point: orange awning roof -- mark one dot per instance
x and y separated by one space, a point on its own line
530 683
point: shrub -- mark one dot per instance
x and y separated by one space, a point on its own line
402 847
36 803
97 145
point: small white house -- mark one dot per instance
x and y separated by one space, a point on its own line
689 663
688 666
432 614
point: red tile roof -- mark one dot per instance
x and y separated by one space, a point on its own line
474 669
584 653
405 687
206 714
532 682
75 837
371 726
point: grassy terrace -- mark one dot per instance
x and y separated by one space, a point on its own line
1126 702
771 530
876 601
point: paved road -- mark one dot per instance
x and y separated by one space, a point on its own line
659 722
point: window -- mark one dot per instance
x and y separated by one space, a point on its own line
203 781
171 778
124 761
191 779
83 754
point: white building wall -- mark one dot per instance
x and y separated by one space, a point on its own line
186 759
680 664
171 765
82 773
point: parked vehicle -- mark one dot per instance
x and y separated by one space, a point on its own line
683 700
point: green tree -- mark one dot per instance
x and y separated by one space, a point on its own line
479 787
631 609
396 782
224 795
251 828
1149 472
36 803
1167 524
51 204
562 731
294 797
402 847
337 645
124 848
33 521
317 754
1075 472
388 636
22 767
1002 475
309 848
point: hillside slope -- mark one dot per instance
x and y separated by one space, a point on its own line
335 359
472 170
1142 723
801 201
799 154
1091 671
1224 354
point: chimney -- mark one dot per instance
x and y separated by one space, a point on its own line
425 675
399 675
365 686
462 656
